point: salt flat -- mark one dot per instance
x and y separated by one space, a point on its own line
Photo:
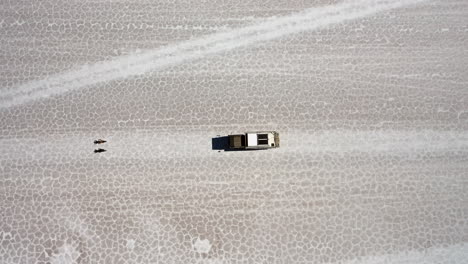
369 98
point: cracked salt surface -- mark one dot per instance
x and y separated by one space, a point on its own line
138 64
67 254
202 246
369 98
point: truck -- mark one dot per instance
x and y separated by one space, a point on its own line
254 140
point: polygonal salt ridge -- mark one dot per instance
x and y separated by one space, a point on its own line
66 254
202 246
360 192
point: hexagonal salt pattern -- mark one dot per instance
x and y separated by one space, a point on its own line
370 99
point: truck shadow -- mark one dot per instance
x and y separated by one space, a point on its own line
222 143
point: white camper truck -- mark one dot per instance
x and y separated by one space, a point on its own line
254 140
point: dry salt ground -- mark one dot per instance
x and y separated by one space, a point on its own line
370 99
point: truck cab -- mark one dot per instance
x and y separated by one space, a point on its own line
254 140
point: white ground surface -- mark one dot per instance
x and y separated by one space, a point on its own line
370 98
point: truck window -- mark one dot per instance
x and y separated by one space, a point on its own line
262 139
